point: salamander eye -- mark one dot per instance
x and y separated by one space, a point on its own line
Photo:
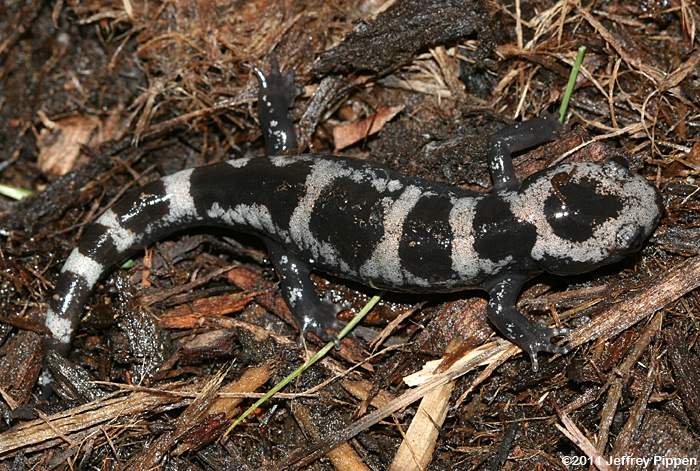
628 237
616 167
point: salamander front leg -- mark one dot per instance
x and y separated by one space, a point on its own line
530 336
312 313
512 139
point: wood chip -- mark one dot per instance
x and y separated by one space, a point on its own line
418 445
657 292
573 433
187 316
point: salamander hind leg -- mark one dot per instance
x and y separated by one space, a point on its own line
312 314
275 98
530 336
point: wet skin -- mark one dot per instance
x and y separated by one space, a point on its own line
362 222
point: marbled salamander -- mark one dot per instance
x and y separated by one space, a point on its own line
364 223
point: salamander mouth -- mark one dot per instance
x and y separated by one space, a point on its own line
629 238
638 240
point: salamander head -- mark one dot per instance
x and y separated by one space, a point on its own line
587 215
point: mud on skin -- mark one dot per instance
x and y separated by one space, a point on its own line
364 223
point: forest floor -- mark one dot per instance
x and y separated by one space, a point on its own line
100 97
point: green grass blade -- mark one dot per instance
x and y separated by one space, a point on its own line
14 192
572 81
320 354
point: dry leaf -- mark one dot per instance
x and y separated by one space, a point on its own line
348 134
60 141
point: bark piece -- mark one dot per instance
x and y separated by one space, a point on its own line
396 35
